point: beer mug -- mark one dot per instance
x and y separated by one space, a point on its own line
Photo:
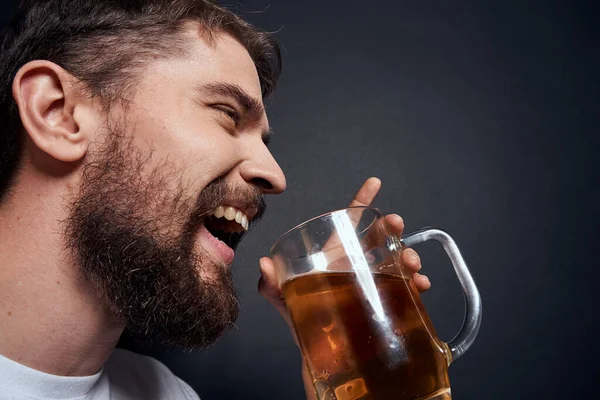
360 323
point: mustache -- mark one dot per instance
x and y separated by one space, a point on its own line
220 192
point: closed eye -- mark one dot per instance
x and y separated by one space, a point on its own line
228 111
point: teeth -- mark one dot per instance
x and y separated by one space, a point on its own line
219 212
232 214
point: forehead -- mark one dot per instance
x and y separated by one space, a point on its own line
222 59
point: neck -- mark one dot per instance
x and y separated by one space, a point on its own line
51 318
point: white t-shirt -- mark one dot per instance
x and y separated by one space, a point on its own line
125 376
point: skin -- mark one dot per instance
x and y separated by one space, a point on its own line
50 318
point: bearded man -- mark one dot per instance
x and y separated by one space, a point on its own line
133 159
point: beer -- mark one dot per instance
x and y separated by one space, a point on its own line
367 337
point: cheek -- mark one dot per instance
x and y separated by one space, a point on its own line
209 154
210 151
188 137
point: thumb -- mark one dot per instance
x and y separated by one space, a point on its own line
269 288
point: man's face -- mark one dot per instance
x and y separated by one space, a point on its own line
189 143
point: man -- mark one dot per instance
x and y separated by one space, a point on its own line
133 157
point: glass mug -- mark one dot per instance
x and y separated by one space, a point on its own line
358 317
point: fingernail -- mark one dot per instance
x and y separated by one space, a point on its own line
413 254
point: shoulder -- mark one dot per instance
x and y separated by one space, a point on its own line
134 375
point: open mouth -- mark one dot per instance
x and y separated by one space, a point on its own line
227 224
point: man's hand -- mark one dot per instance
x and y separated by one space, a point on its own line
271 290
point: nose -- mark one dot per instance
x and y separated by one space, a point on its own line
263 171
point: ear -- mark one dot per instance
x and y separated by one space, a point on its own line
47 99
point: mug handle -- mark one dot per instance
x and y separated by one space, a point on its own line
470 327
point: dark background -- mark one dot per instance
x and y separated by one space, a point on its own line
481 118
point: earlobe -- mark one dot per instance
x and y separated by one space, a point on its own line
47 100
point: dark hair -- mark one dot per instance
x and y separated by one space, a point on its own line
103 43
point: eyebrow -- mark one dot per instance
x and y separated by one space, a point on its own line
253 110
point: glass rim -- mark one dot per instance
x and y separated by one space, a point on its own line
377 212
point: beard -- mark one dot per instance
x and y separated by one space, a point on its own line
134 237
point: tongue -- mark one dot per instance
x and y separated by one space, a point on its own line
215 246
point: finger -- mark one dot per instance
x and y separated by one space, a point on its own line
421 282
269 288
268 285
366 193
394 224
411 260
308 383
